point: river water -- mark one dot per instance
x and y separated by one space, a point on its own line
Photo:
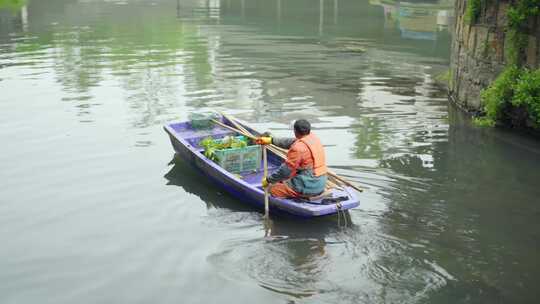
94 207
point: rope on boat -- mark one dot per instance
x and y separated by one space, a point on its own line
266 203
341 212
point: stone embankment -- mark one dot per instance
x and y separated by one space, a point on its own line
483 46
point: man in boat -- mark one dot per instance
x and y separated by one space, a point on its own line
303 174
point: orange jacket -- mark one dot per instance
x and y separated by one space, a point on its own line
307 153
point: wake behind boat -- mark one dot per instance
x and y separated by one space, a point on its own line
246 185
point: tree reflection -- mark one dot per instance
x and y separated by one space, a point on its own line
417 20
13 5
149 53
13 14
89 47
368 139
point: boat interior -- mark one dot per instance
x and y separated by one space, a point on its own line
320 205
193 137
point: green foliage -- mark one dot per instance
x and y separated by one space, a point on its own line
499 93
444 77
12 4
515 17
517 41
518 16
514 88
211 145
472 12
520 12
527 94
483 122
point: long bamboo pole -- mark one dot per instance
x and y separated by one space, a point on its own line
266 204
219 123
334 178
332 182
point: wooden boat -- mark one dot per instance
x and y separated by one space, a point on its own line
247 186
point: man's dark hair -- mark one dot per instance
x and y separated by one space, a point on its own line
302 127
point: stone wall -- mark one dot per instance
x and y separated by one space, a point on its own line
480 51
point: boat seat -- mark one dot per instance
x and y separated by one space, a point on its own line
325 194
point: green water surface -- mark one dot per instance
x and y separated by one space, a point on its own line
95 208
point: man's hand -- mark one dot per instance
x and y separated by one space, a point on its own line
264 182
263 140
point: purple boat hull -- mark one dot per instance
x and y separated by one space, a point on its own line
248 188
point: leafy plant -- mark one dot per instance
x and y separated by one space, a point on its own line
518 16
444 77
527 94
515 87
517 41
211 145
499 93
12 4
521 11
483 122
472 11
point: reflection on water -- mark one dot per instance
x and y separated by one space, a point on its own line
104 42
90 193
421 21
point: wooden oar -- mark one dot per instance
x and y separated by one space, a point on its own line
282 153
333 182
334 178
248 135
265 164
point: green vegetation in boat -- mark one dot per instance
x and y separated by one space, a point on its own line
212 145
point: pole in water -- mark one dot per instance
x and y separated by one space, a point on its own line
267 227
265 164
